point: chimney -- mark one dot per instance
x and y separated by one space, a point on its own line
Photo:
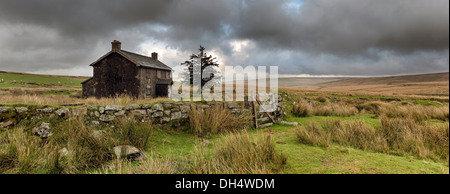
116 45
155 56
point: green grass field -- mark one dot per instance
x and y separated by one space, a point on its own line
305 159
36 81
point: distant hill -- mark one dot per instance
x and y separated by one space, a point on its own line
436 77
14 79
429 85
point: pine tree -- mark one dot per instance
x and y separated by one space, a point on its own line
206 61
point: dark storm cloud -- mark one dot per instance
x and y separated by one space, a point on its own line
368 36
350 26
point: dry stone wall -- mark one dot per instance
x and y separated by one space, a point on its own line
159 113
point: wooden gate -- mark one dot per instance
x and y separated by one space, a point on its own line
264 119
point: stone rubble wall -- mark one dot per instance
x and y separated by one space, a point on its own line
159 113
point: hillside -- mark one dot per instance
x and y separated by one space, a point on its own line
13 79
428 85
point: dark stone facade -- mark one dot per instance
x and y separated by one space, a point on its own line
125 73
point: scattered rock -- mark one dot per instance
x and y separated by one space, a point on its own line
62 112
289 123
4 109
107 118
33 118
128 152
64 152
94 124
113 108
205 143
98 134
21 109
43 131
6 124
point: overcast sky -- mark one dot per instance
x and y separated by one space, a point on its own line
317 37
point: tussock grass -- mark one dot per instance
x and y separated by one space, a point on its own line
204 122
395 136
239 154
22 153
132 132
305 109
417 112
302 109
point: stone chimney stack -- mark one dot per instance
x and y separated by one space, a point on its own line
116 45
155 56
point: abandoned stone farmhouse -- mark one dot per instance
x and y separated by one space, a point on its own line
121 72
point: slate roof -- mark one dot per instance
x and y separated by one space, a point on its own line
139 60
145 61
